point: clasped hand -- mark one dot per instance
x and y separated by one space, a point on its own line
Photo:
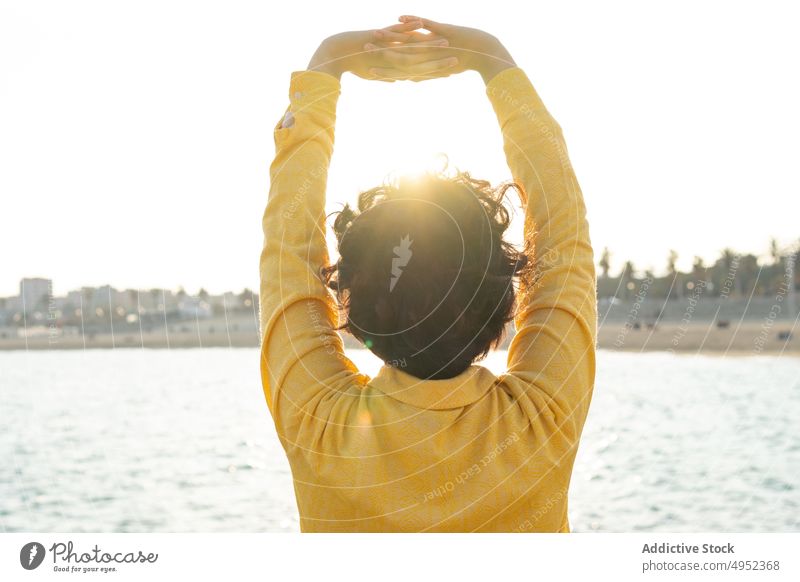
416 49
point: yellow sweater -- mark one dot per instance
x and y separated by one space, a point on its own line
394 453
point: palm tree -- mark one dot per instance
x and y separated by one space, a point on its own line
672 272
775 273
699 271
605 262
748 273
774 251
247 299
723 273
628 276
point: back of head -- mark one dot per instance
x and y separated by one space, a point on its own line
425 279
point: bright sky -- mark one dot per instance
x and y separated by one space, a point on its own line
135 138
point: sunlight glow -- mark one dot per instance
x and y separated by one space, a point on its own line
415 166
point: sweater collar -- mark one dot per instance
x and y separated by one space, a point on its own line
468 387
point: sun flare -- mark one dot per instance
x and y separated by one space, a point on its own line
414 167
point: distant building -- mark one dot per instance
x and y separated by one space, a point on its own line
35 293
225 302
189 306
13 304
75 302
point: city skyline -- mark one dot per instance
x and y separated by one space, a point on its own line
617 264
32 289
606 260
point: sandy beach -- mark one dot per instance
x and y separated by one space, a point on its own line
748 337
702 337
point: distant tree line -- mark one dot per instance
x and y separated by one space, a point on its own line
732 274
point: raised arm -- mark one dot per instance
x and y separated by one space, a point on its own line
299 348
553 352
556 319
303 366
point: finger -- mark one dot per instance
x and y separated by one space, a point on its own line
397 32
436 67
403 59
431 67
389 36
407 25
392 75
422 34
417 36
375 75
418 78
427 23
385 74
408 47
411 45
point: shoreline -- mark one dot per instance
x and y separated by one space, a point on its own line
747 338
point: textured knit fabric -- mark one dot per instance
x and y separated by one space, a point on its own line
476 452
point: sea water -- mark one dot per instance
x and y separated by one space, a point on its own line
134 440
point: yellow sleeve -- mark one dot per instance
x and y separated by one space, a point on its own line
302 356
553 351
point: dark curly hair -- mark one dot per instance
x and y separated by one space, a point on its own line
424 277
